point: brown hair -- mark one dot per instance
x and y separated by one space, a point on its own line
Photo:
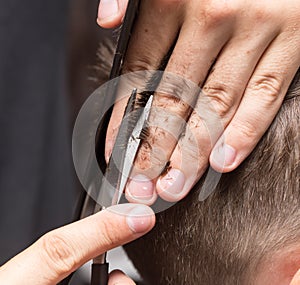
254 211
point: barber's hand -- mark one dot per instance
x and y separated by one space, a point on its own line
62 251
253 47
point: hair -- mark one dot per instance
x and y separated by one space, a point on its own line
254 211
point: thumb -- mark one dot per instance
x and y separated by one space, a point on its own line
62 251
296 279
111 12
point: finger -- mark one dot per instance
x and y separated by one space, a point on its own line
215 108
118 277
175 95
111 13
62 251
296 279
146 50
188 161
262 100
152 156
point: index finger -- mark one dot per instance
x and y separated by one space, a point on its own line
62 251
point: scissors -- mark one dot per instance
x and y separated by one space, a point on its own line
125 149
119 168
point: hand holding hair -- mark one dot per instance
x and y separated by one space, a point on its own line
243 54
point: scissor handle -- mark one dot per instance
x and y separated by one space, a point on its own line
123 41
99 274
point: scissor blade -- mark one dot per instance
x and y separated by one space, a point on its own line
132 149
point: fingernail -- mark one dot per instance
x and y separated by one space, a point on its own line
107 9
140 187
172 182
139 219
224 155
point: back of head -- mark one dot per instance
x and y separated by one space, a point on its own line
254 213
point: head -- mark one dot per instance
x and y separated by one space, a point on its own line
248 231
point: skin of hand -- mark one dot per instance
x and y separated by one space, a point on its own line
60 252
243 55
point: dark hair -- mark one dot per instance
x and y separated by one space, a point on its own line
254 211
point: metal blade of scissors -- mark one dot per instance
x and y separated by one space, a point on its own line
120 170
131 150
113 173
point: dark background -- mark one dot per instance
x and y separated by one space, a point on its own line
47 51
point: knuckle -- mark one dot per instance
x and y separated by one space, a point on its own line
58 253
194 150
137 64
178 80
218 12
268 85
245 130
261 13
220 98
196 137
163 126
195 121
142 56
172 103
